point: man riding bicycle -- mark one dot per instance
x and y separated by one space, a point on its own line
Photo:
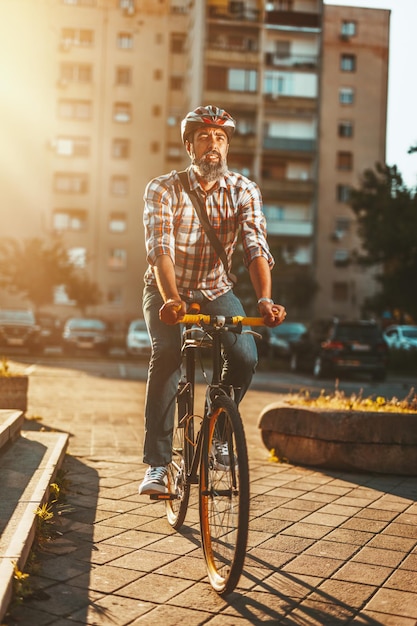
184 266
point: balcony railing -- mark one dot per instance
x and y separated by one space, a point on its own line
289 145
294 228
240 13
301 61
296 19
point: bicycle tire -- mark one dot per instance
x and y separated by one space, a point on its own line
224 498
182 451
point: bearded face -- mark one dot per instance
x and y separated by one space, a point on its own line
210 170
208 153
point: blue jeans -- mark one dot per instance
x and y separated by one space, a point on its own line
240 356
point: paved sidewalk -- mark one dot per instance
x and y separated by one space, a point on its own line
325 548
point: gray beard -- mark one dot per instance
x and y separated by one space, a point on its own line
210 172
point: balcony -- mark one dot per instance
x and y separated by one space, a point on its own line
288 144
305 61
293 228
233 11
287 189
297 105
294 19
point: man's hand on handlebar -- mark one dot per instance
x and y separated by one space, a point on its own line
273 314
172 311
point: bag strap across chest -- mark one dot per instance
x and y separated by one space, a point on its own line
205 223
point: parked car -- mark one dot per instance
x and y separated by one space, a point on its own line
85 334
50 329
281 338
331 347
18 328
138 341
401 337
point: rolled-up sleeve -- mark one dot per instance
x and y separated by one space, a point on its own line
158 223
253 226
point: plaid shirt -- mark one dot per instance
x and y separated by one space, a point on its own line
172 227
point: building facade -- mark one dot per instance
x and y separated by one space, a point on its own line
91 106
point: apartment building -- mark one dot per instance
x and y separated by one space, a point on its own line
91 109
352 133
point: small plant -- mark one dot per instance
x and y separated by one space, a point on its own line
338 400
5 368
21 585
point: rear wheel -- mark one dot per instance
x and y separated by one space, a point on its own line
182 451
224 497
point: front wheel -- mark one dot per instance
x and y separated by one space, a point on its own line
224 496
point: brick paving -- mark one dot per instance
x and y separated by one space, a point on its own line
325 547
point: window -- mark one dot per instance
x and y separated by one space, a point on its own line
348 29
81 37
117 259
74 109
127 5
119 185
175 151
69 219
176 83
122 112
68 182
345 129
123 75
78 257
125 41
75 73
340 291
120 148
73 146
276 83
81 3
342 225
117 222
224 79
177 43
343 193
346 95
344 161
348 62
242 80
341 258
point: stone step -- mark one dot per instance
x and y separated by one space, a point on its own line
28 465
11 422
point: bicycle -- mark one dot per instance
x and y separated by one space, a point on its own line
223 484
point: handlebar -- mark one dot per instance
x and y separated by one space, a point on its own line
220 320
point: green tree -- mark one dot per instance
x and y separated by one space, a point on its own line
83 291
386 212
33 268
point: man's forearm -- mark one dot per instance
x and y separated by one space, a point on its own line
260 276
165 278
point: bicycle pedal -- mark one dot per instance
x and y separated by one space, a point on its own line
163 496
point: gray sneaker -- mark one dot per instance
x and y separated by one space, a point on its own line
154 481
220 455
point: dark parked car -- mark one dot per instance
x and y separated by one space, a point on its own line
331 347
18 329
85 334
50 329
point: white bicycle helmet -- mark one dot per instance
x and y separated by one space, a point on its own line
207 116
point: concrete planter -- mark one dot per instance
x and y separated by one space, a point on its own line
340 439
14 392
